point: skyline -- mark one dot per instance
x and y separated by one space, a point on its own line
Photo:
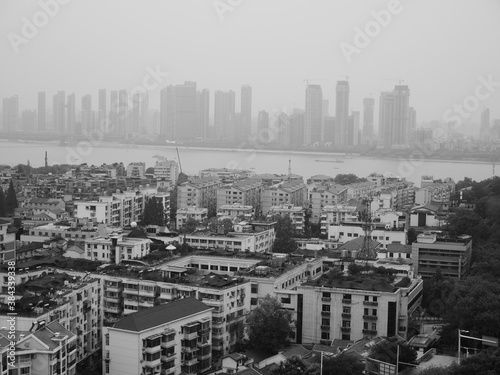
274 58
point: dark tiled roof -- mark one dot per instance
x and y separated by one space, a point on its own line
137 233
357 244
161 314
2 221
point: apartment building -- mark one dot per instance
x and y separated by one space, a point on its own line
360 190
451 254
137 169
171 338
351 308
381 232
186 213
200 192
245 192
116 248
50 349
296 214
235 210
227 175
293 192
44 205
74 230
321 196
336 214
229 296
167 170
75 302
7 241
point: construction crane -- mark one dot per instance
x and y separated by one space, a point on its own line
179 158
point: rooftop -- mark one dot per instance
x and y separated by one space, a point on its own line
161 314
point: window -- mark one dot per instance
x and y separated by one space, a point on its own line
374 299
107 338
365 325
374 312
325 335
325 322
374 326
346 309
367 298
366 312
346 323
254 288
325 308
346 336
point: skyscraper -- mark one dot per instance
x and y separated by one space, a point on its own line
113 113
135 113
59 112
10 114
341 112
352 138
164 134
246 112
101 111
202 113
42 117
144 114
385 118
401 116
87 114
28 120
368 105
413 121
224 115
262 121
181 111
71 114
313 115
123 112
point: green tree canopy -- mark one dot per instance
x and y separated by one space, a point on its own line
11 200
3 208
295 366
348 178
386 351
189 226
154 213
284 242
269 325
345 364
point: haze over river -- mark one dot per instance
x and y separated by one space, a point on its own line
194 159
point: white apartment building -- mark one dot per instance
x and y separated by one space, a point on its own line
171 338
186 213
116 248
336 214
350 231
296 214
166 169
235 210
7 241
137 169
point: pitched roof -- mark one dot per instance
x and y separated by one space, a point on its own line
2 221
161 314
47 334
357 244
398 248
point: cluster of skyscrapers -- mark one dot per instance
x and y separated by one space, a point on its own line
185 115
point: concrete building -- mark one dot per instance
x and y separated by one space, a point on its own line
7 242
137 169
115 249
360 190
451 254
77 231
336 307
313 114
245 192
199 192
341 113
427 216
235 210
169 339
293 192
166 169
336 214
296 213
381 232
226 175
323 195
184 214
224 115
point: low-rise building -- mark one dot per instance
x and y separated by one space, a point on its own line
321 196
166 169
427 216
7 242
184 214
171 338
291 192
336 214
74 230
115 249
383 233
244 192
199 192
234 211
295 213
137 169
450 254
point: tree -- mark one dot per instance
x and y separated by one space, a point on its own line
189 226
345 364
150 170
3 209
412 236
348 178
295 366
485 362
269 325
154 213
11 200
284 242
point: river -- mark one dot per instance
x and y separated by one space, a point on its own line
194 159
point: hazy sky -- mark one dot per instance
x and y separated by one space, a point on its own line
439 48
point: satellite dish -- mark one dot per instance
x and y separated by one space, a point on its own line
133 224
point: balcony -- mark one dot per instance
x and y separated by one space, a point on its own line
167 358
152 349
212 301
370 331
168 371
152 363
112 288
346 315
370 303
114 298
370 317
204 331
347 301
145 303
167 344
402 317
326 299
190 362
324 327
325 313
345 329
112 309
